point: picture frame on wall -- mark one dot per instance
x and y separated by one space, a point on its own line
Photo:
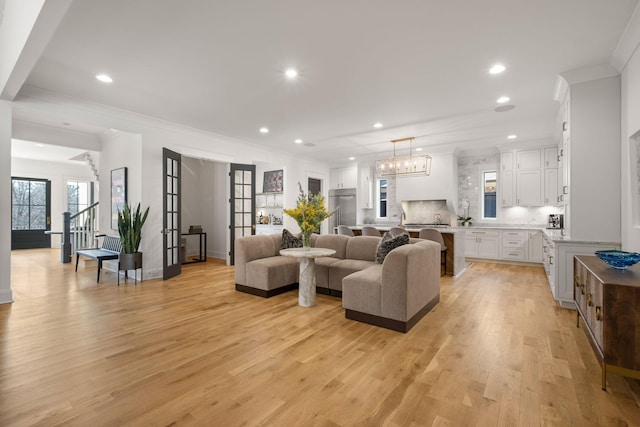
273 181
118 194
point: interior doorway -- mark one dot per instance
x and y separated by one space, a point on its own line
314 186
205 197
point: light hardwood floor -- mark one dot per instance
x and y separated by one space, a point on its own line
496 350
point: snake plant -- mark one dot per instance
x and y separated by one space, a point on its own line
130 228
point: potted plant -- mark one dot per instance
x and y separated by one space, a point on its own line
130 229
465 221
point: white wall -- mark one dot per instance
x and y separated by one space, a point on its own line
120 149
594 152
630 113
58 174
5 207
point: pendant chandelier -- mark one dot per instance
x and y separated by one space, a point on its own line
411 165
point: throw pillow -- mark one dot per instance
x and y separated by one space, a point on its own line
289 240
389 243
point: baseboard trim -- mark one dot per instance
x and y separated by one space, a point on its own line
6 296
266 293
394 325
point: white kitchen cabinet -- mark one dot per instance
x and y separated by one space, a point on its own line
529 188
514 245
534 246
343 177
528 159
482 244
506 161
506 179
551 187
551 157
506 189
365 189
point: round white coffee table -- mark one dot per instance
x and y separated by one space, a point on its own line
307 278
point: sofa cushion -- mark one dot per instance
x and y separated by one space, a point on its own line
362 248
323 265
289 240
337 242
272 272
344 267
389 243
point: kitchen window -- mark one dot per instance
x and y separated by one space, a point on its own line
381 194
489 195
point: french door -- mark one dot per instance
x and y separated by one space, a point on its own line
30 213
171 266
243 203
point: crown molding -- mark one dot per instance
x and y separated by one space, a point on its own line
628 43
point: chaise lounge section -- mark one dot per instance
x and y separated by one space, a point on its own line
395 294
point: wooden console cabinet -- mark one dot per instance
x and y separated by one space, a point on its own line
608 300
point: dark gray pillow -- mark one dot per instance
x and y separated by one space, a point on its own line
389 243
289 240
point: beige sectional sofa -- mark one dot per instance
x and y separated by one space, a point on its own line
394 294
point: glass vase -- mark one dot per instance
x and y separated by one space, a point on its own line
306 240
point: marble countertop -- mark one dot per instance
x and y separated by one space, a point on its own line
557 236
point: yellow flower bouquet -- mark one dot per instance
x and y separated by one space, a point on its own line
309 213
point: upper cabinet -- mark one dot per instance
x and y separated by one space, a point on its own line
365 190
343 177
528 159
525 180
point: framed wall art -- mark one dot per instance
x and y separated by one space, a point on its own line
272 182
118 194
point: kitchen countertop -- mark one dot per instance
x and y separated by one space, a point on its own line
555 235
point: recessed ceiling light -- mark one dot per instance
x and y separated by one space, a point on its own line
503 99
39 145
291 73
497 69
352 158
298 141
419 149
512 136
104 78
377 125
264 130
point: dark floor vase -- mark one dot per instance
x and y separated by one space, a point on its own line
128 262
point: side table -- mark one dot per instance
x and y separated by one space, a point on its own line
307 278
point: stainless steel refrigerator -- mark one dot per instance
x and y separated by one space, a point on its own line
343 202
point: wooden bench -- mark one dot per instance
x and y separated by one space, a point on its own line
110 249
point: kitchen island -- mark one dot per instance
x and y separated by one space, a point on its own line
453 240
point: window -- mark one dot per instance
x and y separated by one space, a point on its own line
79 196
382 198
28 204
489 195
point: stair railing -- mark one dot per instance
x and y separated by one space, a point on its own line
79 231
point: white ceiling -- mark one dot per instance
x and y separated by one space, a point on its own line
418 66
46 152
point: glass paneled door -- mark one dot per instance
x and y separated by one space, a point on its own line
30 213
171 220
243 203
